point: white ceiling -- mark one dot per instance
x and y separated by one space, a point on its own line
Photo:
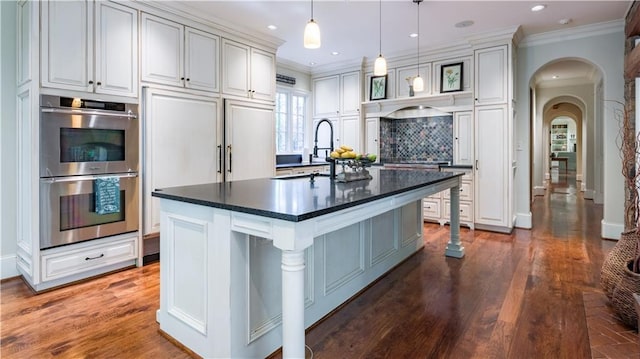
350 27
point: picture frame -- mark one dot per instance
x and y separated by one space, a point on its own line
378 88
451 77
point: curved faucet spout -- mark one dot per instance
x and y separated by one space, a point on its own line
315 146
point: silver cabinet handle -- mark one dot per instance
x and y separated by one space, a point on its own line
92 258
229 150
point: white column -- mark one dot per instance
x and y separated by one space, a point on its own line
454 247
293 304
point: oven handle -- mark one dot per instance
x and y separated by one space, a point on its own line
87 112
86 178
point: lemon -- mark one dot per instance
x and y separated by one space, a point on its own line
334 154
346 148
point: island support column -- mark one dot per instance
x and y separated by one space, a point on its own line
454 247
293 304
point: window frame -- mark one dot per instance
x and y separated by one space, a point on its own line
290 93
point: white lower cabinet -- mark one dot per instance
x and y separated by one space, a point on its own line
87 256
436 207
301 170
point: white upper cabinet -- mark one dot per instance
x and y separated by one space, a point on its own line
337 95
177 55
326 93
248 72
491 75
69 42
350 94
372 131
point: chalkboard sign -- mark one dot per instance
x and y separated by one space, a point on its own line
107 195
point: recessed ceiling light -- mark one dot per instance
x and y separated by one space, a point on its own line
312 63
272 27
465 23
334 53
539 7
555 76
564 21
413 34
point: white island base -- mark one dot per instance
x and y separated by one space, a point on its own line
238 285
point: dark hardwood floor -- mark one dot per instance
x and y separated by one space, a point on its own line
512 296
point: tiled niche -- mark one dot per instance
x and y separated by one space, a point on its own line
422 139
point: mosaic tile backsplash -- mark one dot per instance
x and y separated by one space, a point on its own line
423 139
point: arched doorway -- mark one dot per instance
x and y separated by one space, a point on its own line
566 89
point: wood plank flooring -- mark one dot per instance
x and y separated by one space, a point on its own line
513 296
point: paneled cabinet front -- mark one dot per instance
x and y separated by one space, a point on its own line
178 55
248 72
337 95
73 31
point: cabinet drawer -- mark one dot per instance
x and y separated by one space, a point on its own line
466 211
466 192
79 260
467 176
431 208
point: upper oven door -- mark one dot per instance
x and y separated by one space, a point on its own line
83 142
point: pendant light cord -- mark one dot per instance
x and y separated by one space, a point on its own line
311 10
418 39
380 27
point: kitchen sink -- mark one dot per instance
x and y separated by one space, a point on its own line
300 175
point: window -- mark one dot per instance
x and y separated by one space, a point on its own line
291 109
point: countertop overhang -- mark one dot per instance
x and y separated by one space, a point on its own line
300 199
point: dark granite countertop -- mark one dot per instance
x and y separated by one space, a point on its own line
468 167
298 199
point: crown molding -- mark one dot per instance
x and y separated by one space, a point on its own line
573 33
291 65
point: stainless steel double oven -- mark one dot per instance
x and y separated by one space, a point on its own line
82 141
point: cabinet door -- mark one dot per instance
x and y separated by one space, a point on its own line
405 73
201 60
116 49
491 75
350 132
235 68
67 45
350 94
372 131
182 134
162 51
263 75
326 98
492 165
250 136
463 138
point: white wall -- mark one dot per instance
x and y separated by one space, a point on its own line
602 45
8 169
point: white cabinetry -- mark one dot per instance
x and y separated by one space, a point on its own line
70 38
302 170
182 147
338 98
177 55
248 72
463 138
493 139
491 77
372 133
437 206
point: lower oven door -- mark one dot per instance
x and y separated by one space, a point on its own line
68 209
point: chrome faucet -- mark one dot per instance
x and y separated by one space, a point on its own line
332 168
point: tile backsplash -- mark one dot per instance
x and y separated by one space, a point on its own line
416 139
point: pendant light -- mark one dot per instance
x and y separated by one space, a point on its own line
312 33
380 66
418 83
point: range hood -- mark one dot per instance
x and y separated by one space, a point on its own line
417 112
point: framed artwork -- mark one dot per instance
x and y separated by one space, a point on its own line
451 77
378 88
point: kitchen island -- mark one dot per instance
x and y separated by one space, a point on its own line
239 259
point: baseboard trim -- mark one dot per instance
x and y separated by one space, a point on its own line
539 190
611 230
524 220
150 258
8 267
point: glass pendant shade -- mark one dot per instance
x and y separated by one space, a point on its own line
312 35
380 66
418 84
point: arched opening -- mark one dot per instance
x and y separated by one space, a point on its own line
566 113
